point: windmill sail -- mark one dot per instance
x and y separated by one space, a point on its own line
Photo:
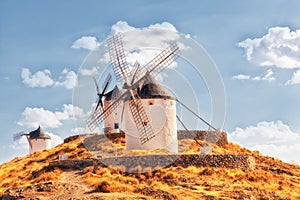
17 136
118 58
97 117
141 120
159 62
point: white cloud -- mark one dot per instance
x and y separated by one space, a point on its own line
241 77
86 42
295 78
280 47
269 76
38 79
79 130
69 79
43 78
121 27
164 25
21 143
270 138
33 117
55 139
88 72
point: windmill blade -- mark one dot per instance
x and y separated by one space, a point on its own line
17 136
97 117
107 80
106 85
136 69
141 120
97 86
159 62
118 58
99 94
102 94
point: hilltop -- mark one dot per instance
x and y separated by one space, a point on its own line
41 176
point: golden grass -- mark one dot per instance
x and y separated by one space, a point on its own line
202 182
272 178
32 168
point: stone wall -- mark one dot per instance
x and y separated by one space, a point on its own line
71 164
132 163
215 137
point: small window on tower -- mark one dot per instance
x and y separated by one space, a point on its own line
151 102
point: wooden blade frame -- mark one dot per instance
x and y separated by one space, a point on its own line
97 117
17 136
159 63
123 73
118 58
141 120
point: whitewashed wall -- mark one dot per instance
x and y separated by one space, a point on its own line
39 145
162 116
114 117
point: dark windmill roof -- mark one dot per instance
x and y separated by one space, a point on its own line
154 90
38 133
111 95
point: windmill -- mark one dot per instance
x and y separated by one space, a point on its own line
38 140
133 80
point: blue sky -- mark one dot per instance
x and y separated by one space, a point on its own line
261 79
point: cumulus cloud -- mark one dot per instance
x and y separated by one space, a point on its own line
280 47
55 139
86 42
38 79
79 130
295 78
44 78
121 27
33 117
241 77
138 45
270 138
88 72
69 79
269 76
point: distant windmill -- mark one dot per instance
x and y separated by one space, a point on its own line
38 140
139 130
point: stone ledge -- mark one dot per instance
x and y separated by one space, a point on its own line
215 137
230 161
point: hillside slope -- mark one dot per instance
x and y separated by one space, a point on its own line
32 177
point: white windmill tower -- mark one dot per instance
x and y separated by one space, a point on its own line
160 107
112 122
38 140
150 117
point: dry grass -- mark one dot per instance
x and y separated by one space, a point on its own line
272 179
33 168
267 181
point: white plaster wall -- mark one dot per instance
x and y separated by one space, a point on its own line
39 145
162 115
114 117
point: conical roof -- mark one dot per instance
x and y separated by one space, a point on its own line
153 90
38 134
